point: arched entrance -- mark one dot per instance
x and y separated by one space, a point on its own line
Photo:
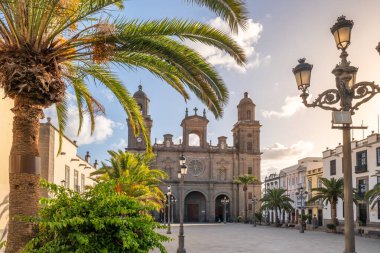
219 209
195 207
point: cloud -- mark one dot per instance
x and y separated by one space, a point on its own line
279 156
122 144
247 39
103 126
291 106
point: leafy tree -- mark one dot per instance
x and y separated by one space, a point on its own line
139 180
50 47
101 219
373 195
330 192
245 180
277 200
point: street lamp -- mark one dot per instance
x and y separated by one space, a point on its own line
346 91
172 201
225 202
267 210
181 175
301 192
169 199
254 202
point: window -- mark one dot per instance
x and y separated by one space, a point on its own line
378 179
362 187
378 156
67 176
248 115
309 185
361 161
293 181
332 167
378 209
249 170
249 195
249 146
250 207
319 182
76 183
82 182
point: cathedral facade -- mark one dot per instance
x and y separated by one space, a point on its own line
211 168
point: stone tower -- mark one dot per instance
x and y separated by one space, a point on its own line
246 139
138 142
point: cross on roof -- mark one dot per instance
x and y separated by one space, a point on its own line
195 110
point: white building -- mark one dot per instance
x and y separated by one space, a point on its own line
292 178
365 161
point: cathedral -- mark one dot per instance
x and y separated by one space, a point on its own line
211 168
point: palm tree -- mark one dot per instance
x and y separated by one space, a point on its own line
373 195
4 209
245 180
277 200
48 48
330 192
135 177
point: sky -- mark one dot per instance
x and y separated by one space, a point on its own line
278 34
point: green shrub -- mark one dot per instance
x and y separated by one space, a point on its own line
99 220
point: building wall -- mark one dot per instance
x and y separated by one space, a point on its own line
5 146
370 145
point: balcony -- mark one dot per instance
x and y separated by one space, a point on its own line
361 168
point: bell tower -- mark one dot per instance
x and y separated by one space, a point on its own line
246 131
138 142
195 125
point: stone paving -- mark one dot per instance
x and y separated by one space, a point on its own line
233 238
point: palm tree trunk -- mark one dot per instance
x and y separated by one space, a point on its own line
276 216
333 212
24 173
245 206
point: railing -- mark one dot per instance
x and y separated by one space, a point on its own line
361 168
362 143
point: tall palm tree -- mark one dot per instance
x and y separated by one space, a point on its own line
4 210
135 177
330 192
277 200
245 180
48 48
373 195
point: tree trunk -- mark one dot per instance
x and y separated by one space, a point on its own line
24 173
333 213
245 204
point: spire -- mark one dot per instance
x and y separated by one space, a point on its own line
204 113
140 86
245 94
187 112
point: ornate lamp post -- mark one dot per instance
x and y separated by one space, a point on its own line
266 211
181 175
301 192
165 209
172 201
347 90
169 204
225 201
254 202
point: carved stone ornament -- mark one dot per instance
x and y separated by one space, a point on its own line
196 168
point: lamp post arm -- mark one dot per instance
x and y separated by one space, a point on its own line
328 97
364 91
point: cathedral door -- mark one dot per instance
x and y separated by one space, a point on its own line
195 207
193 212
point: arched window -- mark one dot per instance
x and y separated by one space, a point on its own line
249 115
194 140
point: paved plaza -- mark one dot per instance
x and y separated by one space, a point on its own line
233 238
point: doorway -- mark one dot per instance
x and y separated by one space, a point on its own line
195 207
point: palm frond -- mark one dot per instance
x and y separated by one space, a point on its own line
233 11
